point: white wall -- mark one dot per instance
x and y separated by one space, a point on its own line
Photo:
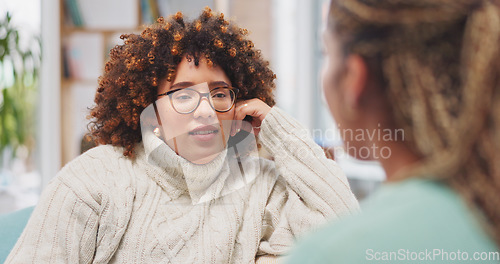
49 112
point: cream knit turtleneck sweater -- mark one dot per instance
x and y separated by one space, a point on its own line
105 208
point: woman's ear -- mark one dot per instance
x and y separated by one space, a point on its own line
354 83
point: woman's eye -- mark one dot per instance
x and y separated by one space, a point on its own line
183 97
220 92
219 95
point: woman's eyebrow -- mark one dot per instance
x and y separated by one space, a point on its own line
181 85
187 84
218 83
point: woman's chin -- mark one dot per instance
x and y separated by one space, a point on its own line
202 152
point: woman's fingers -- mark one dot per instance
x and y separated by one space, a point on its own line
241 111
255 108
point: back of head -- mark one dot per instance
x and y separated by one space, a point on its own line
439 67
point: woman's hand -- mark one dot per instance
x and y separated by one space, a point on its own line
255 108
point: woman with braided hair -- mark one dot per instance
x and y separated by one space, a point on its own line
177 178
431 68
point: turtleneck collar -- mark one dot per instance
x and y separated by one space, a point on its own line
202 182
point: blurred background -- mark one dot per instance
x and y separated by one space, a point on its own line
53 51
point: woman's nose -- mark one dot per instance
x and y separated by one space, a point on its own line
204 110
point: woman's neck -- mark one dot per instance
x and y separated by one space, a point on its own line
400 158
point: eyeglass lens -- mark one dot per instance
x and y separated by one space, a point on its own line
187 100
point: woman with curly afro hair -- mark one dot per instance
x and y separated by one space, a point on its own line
176 178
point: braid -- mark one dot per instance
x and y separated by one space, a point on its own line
440 63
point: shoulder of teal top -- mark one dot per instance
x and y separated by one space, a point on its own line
400 221
11 227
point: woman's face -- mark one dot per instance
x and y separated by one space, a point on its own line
331 75
201 135
338 88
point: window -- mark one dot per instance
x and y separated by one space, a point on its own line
297 62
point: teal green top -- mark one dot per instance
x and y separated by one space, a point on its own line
11 227
414 221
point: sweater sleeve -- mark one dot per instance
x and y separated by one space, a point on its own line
82 214
310 189
62 229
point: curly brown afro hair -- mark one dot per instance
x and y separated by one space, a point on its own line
137 67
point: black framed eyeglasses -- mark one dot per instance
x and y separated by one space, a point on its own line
186 100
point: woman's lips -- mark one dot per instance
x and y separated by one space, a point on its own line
204 133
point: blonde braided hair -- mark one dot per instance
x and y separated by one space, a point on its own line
439 62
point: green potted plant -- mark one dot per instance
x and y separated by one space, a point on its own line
19 67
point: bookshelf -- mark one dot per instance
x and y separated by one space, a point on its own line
87 29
